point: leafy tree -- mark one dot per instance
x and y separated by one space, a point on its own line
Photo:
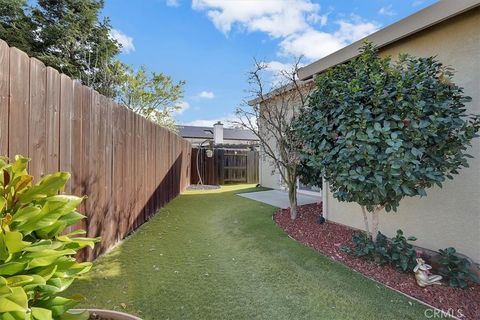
67 35
71 38
155 96
16 27
381 130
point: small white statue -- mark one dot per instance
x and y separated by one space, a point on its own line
422 274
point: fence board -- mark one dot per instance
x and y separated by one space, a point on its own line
19 103
76 142
126 165
66 110
4 93
52 115
37 147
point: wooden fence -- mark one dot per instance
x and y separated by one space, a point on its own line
126 165
225 166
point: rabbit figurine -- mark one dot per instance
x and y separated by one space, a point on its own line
422 274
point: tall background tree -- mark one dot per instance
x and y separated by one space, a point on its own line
269 113
380 131
70 36
16 27
67 35
154 95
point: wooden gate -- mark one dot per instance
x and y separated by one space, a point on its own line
225 166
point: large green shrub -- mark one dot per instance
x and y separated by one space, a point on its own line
380 130
37 261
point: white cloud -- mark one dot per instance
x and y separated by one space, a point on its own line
355 30
296 23
315 44
173 3
206 95
276 18
312 44
184 106
387 11
125 41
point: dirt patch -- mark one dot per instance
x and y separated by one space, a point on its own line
328 237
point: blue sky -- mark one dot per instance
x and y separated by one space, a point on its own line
211 43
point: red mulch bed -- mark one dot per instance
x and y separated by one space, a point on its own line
327 238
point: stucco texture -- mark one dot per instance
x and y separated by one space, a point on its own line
449 216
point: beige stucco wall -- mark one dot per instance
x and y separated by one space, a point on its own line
268 172
269 176
449 216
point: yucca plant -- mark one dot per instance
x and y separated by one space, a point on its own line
37 261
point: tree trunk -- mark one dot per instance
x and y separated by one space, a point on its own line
375 223
292 197
365 220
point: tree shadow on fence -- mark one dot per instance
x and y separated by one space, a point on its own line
113 222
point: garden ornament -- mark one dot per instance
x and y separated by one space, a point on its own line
422 274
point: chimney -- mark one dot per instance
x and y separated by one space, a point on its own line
218 133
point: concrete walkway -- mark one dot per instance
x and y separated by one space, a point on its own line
279 198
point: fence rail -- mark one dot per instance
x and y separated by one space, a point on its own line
126 165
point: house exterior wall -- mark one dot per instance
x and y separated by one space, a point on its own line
269 175
449 216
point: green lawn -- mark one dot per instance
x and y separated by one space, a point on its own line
215 255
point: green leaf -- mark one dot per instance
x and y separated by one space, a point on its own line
14 241
18 281
4 289
45 258
18 315
3 202
421 192
41 314
396 165
25 213
407 190
416 152
58 305
48 186
11 268
16 301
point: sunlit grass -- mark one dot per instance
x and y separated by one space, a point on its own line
214 255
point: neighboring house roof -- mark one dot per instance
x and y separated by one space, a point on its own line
412 24
207 133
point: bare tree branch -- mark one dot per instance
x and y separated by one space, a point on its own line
269 116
